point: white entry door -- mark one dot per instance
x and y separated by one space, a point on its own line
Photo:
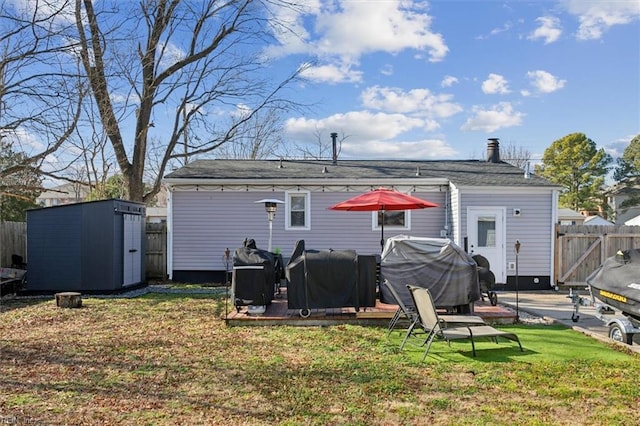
486 237
132 249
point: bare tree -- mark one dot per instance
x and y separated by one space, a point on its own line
259 138
515 155
172 62
322 149
40 93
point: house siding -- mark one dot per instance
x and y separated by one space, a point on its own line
207 222
532 228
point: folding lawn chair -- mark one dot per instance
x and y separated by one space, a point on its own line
434 326
408 312
404 312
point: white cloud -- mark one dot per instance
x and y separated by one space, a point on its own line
448 81
416 101
549 29
341 73
23 141
495 84
371 135
171 54
545 82
62 11
120 98
616 148
339 33
596 17
288 27
489 120
358 125
420 149
363 27
498 30
387 69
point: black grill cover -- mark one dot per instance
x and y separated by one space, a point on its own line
254 276
318 279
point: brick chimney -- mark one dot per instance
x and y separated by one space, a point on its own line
493 150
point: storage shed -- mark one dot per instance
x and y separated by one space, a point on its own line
87 247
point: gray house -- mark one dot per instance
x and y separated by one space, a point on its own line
484 207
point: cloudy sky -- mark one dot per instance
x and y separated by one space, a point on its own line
434 80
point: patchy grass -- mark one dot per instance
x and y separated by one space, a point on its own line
166 359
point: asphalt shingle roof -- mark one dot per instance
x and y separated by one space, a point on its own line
460 172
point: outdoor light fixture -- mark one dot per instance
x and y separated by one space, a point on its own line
270 206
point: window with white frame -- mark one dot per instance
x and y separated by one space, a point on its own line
396 219
298 210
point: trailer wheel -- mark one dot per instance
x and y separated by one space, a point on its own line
493 298
617 333
305 313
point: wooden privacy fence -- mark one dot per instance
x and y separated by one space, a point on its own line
156 249
581 249
13 240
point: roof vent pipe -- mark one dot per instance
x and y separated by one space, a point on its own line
493 150
334 144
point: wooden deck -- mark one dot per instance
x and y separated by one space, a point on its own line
278 314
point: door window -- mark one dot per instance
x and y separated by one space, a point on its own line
486 231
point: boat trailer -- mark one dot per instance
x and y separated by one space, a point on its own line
622 327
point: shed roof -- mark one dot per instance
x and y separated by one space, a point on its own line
596 220
565 213
459 172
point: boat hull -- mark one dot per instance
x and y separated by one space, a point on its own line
617 282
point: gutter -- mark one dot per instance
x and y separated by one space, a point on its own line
175 182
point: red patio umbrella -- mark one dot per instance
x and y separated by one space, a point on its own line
383 199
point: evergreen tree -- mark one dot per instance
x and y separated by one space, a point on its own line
629 164
18 190
575 163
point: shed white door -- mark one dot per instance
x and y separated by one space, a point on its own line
486 237
132 249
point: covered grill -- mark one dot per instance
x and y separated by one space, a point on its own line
318 279
450 274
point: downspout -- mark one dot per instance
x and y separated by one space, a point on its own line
554 220
169 232
447 212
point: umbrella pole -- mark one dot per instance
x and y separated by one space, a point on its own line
382 232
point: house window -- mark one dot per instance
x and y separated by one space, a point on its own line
397 219
298 210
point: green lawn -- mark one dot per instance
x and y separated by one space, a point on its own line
170 359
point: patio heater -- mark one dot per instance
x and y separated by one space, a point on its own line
270 206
